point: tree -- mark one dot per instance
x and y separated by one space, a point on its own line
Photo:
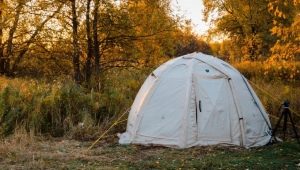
2 60
9 49
76 47
21 35
245 22
95 37
88 37
187 42
88 70
286 27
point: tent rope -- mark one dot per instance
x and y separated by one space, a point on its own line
272 97
107 130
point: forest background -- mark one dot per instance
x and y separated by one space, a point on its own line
69 68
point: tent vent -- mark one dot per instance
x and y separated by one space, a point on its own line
200 105
152 74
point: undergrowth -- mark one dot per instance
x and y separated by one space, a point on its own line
57 108
62 107
280 71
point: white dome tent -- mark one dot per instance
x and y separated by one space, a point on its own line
194 100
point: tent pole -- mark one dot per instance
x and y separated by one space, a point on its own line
243 142
184 143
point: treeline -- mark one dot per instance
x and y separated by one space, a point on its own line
110 46
86 38
83 38
260 33
255 30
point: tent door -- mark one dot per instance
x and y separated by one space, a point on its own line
212 109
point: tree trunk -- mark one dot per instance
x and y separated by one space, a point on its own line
32 39
76 51
9 50
88 70
95 37
1 35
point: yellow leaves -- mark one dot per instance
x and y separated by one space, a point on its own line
279 13
270 7
276 31
282 66
296 2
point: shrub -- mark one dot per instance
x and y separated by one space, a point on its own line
60 106
269 71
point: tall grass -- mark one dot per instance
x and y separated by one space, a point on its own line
61 107
57 107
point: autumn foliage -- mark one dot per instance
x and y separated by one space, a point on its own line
65 64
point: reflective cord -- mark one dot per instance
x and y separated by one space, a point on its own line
113 125
272 97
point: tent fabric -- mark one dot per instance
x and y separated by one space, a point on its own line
195 100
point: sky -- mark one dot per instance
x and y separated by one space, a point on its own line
191 9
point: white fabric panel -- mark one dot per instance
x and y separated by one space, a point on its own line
214 118
254 124
162 114
204 70
166 109
235 129
146 87
165 66
258 102
255 133
134 111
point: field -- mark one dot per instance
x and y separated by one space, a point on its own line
29 149
51 124
69 70
24 152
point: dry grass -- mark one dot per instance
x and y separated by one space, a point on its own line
25 150
22 151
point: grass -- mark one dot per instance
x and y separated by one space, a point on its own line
25 152
58 107
32 112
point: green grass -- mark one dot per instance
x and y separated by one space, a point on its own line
70 154
281 156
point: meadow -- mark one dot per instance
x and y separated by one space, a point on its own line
43 122
24 152
61 107
70 69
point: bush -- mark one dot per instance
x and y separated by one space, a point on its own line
60 106
269 71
